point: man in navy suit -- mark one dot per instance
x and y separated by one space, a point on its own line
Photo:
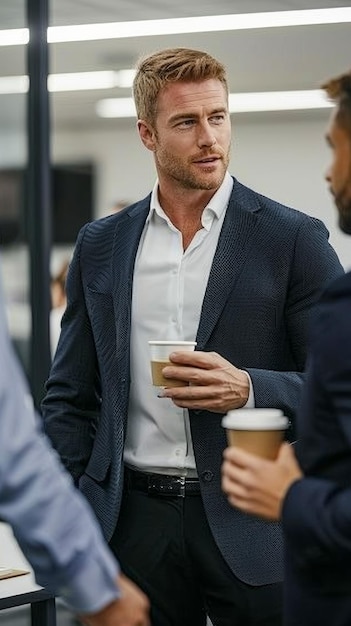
202 257
315 506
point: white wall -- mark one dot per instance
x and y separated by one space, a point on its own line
287 161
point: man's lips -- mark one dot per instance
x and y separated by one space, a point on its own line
211 159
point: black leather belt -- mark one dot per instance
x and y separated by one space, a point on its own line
159 485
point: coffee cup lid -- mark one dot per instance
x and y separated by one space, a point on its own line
255 419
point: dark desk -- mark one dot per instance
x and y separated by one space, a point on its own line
23 589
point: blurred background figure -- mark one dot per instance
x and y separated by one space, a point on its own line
115 207
54 526
58 303
119 205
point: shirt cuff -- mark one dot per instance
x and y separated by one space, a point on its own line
250 404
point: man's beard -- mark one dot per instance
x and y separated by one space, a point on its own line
343 203
345 222
180 170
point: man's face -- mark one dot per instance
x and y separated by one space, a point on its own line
339 172
191 138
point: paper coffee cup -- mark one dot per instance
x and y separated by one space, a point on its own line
258 431
159 356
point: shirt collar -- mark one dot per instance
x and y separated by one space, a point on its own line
215 208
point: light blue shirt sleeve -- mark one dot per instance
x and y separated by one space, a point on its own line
52 522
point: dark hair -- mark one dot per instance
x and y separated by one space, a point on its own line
157 70
339 91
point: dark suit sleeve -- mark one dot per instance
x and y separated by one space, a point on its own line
314 265
317 522
72 403
317 509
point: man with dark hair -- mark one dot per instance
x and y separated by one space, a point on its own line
313 495
201 258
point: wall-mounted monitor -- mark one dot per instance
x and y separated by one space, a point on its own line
72 187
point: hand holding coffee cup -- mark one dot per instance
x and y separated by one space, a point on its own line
159 355
258 431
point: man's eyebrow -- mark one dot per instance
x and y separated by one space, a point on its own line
219 110
182 116
191 114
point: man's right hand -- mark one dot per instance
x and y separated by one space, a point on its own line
256 485
131 609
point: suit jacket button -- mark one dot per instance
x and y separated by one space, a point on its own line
207 476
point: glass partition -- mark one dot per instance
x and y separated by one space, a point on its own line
13 163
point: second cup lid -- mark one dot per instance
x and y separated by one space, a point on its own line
255 419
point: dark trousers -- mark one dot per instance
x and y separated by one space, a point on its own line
164 544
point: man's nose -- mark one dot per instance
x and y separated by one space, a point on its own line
206 136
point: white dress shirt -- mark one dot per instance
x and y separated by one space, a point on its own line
168 290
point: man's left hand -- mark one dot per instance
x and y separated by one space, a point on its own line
214 383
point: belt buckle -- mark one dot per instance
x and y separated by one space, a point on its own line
181 483
175 487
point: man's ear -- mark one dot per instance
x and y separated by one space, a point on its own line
147 134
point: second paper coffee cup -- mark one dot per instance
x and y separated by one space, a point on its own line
258 431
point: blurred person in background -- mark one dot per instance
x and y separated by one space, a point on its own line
58 304
311 492
119 205
202 257
52 522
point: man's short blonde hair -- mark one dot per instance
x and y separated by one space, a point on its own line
157 70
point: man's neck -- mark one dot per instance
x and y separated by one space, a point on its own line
185 208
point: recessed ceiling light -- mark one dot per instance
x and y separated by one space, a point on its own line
174 26
278 101
238 103
72 81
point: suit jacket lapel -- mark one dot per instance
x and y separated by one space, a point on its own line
127 235
233 248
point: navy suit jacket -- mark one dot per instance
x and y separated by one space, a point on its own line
269 268
317 510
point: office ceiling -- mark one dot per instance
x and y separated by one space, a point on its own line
257 60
